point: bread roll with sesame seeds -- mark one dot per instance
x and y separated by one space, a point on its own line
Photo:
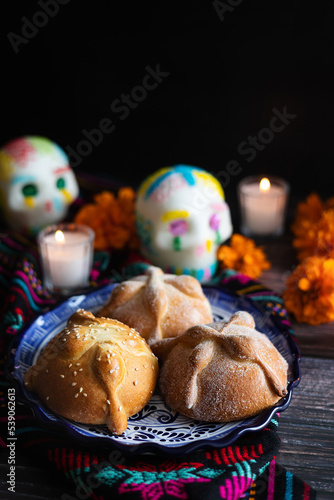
158 305
95 371
222 371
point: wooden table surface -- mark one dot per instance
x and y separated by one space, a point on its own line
306 428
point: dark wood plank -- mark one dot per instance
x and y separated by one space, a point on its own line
306 428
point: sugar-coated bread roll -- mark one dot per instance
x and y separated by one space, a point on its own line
222 371
158 305
95 371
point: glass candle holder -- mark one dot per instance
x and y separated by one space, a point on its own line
67 257
263 204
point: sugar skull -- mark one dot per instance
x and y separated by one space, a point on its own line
36 183
181 219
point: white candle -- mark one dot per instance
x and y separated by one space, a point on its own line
263 205
67 252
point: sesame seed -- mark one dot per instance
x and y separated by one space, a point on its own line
108 402
70 365
77 364
136 369
108 355
74 383
47 371
98 359
113 354
111 371
93 336
84 394
75 374
119 408
145 366
47 398
81 389
135 382
80 369
123 341
76 395
63 339
62 376
152 367
109 361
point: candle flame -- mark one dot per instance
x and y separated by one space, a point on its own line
59 236
265 184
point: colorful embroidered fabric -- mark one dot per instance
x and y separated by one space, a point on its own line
247 469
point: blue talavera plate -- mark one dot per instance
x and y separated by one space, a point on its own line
156 428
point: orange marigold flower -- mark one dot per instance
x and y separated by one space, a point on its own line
309 210
329 204
243 255
313 228
309 293
112 218
316 238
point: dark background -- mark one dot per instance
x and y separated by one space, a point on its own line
227 71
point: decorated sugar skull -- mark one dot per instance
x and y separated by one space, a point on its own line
182 218
36 183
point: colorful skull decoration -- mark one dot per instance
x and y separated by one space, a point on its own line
36 183
182 218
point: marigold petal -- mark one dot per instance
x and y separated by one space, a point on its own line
112 217
309 293
243 256
304 284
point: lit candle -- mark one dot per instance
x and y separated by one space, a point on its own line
67 254
263 205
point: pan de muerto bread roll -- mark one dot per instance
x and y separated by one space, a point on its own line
158 305
222 371
95 371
